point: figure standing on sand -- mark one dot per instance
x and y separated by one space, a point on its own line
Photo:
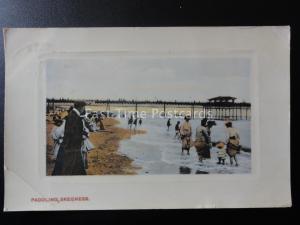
233 142
140 121
186 133
90 122
169 124
202 141
99 121
86 144
69 159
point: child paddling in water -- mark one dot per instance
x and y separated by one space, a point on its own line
221 152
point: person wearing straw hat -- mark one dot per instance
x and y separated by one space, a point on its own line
233 142
69 159
186 133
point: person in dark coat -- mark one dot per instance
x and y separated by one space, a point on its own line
69 159
209 125
130 121
169 124
135 123
177 130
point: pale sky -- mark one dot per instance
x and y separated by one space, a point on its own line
149 78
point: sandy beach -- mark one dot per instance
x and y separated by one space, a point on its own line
105 158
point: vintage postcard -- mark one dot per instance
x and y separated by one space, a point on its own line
130 118
148 114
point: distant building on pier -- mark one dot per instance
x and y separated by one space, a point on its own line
222 99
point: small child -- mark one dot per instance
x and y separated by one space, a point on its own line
222 152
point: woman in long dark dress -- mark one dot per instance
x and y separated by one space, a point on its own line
202 141
69 159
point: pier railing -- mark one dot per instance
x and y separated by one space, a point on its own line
220 110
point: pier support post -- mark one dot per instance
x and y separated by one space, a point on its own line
192 111
241 113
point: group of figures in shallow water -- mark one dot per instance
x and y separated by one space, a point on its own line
229 146
134 121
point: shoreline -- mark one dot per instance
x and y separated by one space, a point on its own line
104 159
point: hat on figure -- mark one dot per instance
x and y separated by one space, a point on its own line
220 144
79 104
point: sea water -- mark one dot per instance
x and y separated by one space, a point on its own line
159 152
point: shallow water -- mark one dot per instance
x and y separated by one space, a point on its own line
158 152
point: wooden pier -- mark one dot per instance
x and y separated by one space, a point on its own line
218 108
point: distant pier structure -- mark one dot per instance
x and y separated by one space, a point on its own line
225 107
217 108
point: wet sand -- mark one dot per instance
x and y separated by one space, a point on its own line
105 158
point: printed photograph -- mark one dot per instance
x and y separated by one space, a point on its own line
122 114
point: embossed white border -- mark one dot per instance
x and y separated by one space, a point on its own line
269 182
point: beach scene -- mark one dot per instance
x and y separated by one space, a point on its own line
148 115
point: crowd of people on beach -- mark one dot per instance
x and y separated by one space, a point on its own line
203 143
70 135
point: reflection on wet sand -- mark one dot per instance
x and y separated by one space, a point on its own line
184 170
187 170
201 172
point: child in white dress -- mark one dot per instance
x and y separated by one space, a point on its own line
221 152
